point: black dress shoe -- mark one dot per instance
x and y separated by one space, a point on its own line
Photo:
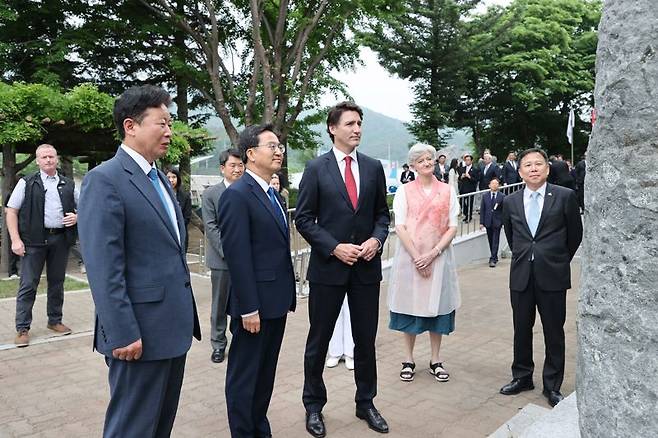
516 386
315 424
554 397
374 419
217 356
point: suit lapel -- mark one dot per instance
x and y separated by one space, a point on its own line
549 200
363 178
518 202
263 199
180 222
334 171
141 181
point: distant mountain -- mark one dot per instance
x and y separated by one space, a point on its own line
383 137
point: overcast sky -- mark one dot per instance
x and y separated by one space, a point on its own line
373 87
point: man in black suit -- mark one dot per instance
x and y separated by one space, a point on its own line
342 213
559 173
581 171
407 175
543 229
490 170
510 172
469 176
491 218
256 244
441 169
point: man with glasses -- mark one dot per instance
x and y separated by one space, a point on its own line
256 245
232 168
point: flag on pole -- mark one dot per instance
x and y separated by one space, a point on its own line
570 125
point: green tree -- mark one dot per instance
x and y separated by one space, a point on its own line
261 61
529 64
425 43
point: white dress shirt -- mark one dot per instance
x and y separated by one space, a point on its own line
340 159
266 186
146 168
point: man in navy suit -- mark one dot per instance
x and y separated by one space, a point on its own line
131 229
491 218
256 246
489 170
469 176
543 229
510 172
342 213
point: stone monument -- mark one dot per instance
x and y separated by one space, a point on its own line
617 375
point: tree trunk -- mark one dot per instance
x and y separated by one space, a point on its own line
9 176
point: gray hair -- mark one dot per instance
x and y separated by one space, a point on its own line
418 150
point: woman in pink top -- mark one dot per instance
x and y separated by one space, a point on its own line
423 290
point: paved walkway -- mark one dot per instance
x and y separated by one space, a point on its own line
59 387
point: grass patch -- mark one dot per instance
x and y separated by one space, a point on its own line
8 288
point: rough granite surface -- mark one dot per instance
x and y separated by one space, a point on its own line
617 372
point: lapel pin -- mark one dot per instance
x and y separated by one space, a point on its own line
550 194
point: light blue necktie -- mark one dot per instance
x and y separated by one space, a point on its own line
277 208
533 213
153 176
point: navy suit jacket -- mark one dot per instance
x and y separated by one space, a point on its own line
135 264
510 174
325 217
486 177
491 211
556 240
257 251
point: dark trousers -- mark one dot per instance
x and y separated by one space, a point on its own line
552 310
467 205
250 373
219 280
324 305
55 255
493 235
143 397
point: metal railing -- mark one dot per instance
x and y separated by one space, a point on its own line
301 250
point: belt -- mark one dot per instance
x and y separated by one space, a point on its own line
55 230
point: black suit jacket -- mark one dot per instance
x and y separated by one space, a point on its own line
467 185
486 177
559 175
558 236
510 174
325 217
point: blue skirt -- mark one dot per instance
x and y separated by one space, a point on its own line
415 325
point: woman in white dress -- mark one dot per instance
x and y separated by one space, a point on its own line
423 292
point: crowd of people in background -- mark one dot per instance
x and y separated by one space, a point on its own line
133 234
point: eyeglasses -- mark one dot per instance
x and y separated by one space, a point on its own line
274 146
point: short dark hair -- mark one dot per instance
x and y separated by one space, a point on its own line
249 138
405 166
333 117
133 103
494 178
441 155
175 172
230 152
469 156
533 151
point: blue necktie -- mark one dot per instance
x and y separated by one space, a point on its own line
277 207
153 176
533 213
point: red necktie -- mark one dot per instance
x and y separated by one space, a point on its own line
350 184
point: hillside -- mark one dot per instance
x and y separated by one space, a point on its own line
382 135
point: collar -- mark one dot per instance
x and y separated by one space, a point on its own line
45 176
139 159
340 155
541 191
226 183
261 182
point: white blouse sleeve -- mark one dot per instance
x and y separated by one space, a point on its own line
400 206
454 208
